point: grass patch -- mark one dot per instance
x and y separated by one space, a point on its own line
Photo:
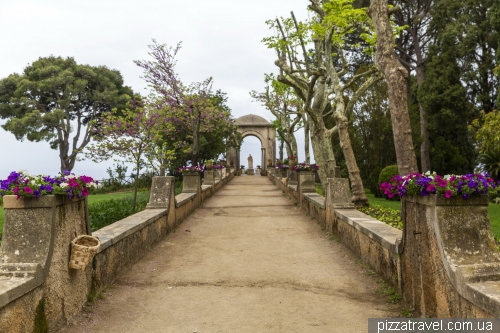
103 212
393 204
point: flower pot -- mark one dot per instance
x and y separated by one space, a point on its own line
292 163
209 166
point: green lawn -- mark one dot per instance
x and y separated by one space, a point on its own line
493 211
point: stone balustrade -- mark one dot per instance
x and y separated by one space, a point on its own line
35 281
444 264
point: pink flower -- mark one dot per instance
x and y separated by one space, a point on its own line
448 194
431 188
85 192
443 183
27 190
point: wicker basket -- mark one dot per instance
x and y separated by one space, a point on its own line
83 250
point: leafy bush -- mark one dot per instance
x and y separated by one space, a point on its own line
389 216
319 189
104 213
385 176
178 187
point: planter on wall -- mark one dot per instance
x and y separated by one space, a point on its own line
37 233
448 247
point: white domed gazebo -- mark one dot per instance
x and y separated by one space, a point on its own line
253 125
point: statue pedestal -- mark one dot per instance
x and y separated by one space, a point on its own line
250 172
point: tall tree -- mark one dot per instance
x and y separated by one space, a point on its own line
397 82
54 99
475 40
411 47
192 109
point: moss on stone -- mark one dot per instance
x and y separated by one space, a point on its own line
40 319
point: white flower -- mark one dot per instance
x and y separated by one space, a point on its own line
63 185
32 182
70 176
428 173
447 177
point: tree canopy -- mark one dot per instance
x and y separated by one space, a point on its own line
55 98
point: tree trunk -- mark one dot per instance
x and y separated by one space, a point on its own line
396 77
315 141
425 159
358 190
135 186
306 139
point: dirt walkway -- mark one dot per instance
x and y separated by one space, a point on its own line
247 261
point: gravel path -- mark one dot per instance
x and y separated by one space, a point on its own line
247 261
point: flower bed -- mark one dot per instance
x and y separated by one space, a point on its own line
431 183
186 169
23 184
305 167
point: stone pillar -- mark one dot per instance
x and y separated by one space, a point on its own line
209 177
160 192
191 182
306 184
264 162
339 193
450 266
337 171
292 177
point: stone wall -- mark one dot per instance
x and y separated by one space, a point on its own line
35 281
444 264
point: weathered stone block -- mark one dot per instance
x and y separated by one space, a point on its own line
209 178
160 192
307 181
338 193
191 182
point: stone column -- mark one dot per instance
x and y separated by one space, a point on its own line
191 182
264 162
339 193
209 177
306 184
292 177
160 192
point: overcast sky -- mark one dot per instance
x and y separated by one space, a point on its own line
220 39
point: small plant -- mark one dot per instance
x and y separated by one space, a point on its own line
407 312
388 290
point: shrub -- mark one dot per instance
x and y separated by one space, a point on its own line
104 213
385 176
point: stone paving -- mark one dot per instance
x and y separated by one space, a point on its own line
248 260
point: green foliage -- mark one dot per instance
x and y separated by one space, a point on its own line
389 216
178 187
104 213
387 173
39 103
448 112
388 290
487 133
319 189
490 162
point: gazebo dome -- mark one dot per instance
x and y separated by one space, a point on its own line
251 119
